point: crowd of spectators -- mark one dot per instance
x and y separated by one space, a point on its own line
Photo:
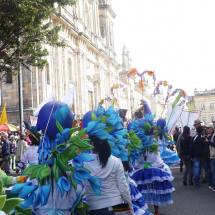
196 149
12 147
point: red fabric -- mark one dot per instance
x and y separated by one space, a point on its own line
4 128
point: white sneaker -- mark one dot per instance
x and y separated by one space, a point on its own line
210 187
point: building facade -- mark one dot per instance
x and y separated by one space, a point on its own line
204 102
88 62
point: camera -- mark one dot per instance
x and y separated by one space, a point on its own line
203 137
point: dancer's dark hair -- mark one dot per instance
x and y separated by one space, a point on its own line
126 165
186 133
101 147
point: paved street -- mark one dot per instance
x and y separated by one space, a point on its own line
189 200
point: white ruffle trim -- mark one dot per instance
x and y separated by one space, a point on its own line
158 191
159 203
136 197
155 178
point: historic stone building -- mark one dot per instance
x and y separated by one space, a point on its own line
204 102
88 62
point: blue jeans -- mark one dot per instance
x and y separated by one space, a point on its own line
213 171
104 211
198 163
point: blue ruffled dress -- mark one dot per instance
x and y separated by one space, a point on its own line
154 184
138 200
168 156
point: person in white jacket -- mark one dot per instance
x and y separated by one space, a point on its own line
110 171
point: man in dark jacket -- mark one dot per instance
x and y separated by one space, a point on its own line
196 154
176 134
6 151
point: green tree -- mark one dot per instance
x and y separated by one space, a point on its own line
27 20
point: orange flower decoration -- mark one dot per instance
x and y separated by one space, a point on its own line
115 86
141 84
150 73
133 71
165 83
129 83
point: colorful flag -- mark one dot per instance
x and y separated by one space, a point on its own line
3 119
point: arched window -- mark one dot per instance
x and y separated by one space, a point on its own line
70 68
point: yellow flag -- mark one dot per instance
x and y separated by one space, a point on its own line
3 118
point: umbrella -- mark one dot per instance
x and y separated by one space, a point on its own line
8 127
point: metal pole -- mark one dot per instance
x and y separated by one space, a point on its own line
20 90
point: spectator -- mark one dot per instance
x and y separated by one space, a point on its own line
30 156
21 146
6 151
185 140
176 138
197 123
211 146
12 155
176 134
196 154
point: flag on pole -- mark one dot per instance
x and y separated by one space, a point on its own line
3 118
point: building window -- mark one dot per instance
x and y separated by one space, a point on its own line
212 106
202 106
204 120
9 77
213 119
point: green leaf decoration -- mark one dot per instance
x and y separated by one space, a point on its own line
81 133
11 203
27 211
147 165
93 116
31 168
67 154
49 179
80 205
191 106
1 187
44 172
104 119
84 194
56 171
108 130
43 182
73 130
35 171
82 144
19 209
135 139
80 211
74 184
2 201
176 100
61 164
147 126
60 128
86 206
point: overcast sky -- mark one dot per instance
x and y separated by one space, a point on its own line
176 38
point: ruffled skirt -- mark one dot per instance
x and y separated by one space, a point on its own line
169 157
155 186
